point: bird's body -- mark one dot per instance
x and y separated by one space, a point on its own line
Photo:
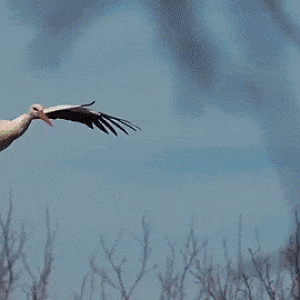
11 130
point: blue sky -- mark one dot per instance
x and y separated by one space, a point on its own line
204 164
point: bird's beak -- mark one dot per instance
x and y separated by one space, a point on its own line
46 119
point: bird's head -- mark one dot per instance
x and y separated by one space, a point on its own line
37 112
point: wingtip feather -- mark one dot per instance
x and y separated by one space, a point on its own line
88 104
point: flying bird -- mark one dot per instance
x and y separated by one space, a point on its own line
11 130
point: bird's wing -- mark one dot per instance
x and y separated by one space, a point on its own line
82 114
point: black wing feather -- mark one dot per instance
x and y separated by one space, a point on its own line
124 122
117 125
100 126
89 117
109 126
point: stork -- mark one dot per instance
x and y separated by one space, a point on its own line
11 130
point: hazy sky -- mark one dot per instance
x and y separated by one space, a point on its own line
188 162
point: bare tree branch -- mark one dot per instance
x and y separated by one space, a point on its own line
116 269
39 287
266 281
9 255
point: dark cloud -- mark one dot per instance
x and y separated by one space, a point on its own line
183 33
278 13
255 85
57 24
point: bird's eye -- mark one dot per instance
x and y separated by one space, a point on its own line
34 108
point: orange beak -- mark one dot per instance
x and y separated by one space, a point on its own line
46 119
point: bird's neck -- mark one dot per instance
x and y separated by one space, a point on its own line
22 123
